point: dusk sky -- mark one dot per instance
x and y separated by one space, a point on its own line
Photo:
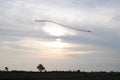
25 43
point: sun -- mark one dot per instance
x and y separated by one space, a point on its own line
54 29
57 43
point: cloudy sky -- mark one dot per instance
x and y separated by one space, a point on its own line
25 43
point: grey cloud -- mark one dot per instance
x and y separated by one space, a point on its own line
102 38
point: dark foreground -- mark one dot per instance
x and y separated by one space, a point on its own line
59 76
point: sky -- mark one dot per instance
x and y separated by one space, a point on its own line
24 43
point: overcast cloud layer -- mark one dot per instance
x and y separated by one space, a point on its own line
25 43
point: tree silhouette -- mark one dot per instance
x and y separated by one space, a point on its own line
40 67
6 68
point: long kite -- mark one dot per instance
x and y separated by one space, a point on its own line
62 25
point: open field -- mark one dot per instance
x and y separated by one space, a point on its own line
59 76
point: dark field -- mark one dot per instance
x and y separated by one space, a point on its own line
59 76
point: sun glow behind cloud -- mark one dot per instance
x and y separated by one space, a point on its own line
41 48
54 49
50 49
56 30
57 44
